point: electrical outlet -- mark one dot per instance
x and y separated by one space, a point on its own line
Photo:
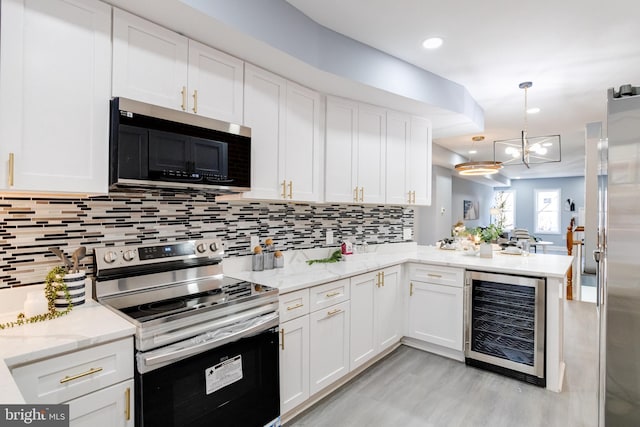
255 241
329 237
406 233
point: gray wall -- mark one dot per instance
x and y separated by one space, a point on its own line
570 188
432 223
464 189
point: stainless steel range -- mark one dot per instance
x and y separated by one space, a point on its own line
206 345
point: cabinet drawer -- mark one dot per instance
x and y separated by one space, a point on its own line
294 304
65 377
448 276
328 294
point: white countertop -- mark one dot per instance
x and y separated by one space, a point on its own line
85 326
297 274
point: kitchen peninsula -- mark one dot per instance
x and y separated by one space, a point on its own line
395 272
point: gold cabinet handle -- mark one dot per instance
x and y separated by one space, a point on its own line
437 276
294 307
409 197
11 160
382 275
127 404
362 194
355 194
284 189
183 92
195 101
414 197
378 279
334 312
332 294
282 338
84 374
411 289
291 189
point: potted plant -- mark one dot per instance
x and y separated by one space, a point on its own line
487 235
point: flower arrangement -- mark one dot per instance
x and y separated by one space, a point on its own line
459 229
487 234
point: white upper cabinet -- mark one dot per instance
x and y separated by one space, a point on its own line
398 140
215 83
149 62
341 176
419 162
55 72
355 152
408 159
285 137
155 65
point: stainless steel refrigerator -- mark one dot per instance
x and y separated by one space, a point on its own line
619 265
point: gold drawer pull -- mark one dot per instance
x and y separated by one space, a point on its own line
355 194
11 161
295 306
183 93
282 335
284 189
84 374
438 276
332 294
195 101
291 189
334 311
127 404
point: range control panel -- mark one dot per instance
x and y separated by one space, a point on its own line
132 255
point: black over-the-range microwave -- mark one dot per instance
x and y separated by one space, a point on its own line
156 147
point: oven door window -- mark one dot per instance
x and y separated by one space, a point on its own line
180 395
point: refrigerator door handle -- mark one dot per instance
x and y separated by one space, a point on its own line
597 257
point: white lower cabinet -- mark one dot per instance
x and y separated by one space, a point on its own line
112 406
294 349
375 314
436 305
329 345
96 382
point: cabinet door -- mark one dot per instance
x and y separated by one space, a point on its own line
371 154
397 190
294 363
364 289
112 406
149 62
264 113
54 95
341 148
419 161
436 314
215 83
387 308
329 345
302 144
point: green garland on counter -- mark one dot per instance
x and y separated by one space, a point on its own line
53 284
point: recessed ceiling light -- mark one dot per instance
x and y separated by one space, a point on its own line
534 110
473 151
432 43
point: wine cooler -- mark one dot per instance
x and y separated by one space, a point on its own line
505 325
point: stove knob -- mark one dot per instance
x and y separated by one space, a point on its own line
110 257
129 255
201 248
214 246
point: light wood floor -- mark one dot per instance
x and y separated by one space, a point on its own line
413 388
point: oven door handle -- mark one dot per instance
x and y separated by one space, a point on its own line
176 354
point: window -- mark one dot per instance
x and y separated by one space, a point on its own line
547 211
504 209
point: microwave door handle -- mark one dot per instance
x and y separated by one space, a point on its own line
187 180
264 324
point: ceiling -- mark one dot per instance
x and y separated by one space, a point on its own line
572 51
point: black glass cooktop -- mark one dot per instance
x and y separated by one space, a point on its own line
235 293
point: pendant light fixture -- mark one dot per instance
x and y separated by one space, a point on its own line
527 149
474 168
